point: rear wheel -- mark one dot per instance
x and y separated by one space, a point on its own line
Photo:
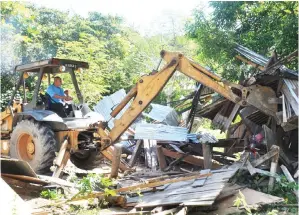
34 143
87 159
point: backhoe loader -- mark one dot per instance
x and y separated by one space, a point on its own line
33 134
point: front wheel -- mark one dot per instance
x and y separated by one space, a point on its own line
87 159
34 143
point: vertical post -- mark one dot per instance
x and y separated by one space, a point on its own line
116 160
62 158
273 170
136 153
161 158
207 154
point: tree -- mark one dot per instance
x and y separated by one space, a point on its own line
260 26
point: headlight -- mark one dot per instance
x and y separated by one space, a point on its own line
62 68
79 70
25 75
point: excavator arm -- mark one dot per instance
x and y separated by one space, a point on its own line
148 87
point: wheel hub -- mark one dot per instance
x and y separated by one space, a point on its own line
26 147
30 147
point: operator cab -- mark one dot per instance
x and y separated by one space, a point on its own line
42 73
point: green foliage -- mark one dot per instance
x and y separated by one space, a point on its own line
260 26
283 188
51 194
94 182
240 201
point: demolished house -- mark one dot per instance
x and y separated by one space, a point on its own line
161 166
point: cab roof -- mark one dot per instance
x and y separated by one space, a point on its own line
51 63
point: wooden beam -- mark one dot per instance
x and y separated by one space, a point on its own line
289 177
25 178
207 154
136 153
108 153
274 150
195 160
58 171
273 170
161 158
116 160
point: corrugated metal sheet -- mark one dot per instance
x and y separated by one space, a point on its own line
108 103
202 137
164 114
160 132
251 55
290 90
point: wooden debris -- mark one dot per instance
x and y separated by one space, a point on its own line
136 153
116 160
23 188
150 153
142 186
182 193
26 179
273 170
161 158
207 154
289 177
195 160
108 153
274 150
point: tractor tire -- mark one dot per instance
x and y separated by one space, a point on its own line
86 160
34 143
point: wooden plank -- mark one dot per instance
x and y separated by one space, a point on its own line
207 154
273 169
26 178
150 153
108 154
289 177
250 168
231 116
274 150
136 153
195 160
142 186
284 114
161 158
58 171
24 185
116 160
176 148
